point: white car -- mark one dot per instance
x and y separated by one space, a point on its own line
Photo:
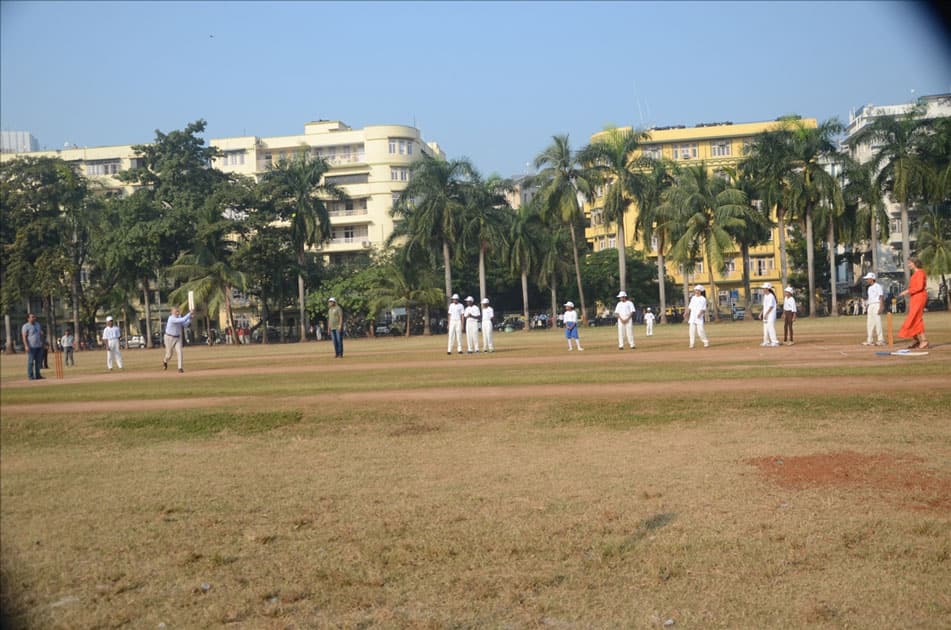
135 341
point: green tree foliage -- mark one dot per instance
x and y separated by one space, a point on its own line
601 276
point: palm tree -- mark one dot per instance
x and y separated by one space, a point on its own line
864 199
813 187
432 208
710 207
554 266
487 218
562 180
754 230
615 164
654 221
297 189
406 283
897 158
524 239
934 245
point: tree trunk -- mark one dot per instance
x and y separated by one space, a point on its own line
810 263
76 290
662 280
230 315
8 329
554 294
525 297
427 330
574 250
448 272
747 293
265 316
621 253
148 312
832 284
283 338
874 240
713 294
781 220
300 299
905 243
482 293
686 287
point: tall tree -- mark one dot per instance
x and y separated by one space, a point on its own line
487 219
431 209
934 242
754 228
563 181
654 221
524 238
298 191
863 199
616 164
709 207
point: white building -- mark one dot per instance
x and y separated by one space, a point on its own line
18 142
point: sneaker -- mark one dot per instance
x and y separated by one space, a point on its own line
620 347
774 345
580 349
764 345
181 371
569 348
706 344
866 343
449 353
633 347
880 343
164 365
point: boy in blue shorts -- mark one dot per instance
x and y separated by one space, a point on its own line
570 319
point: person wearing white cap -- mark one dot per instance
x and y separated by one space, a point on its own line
789 315
873 312
488 318
697 315
174 336
335 326
769 316
625 321
456 314
110 335
570 320
649 322
472 315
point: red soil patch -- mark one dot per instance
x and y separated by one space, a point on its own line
899 478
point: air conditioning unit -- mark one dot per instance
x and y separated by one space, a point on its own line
366 244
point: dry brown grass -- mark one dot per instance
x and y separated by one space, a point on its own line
709 502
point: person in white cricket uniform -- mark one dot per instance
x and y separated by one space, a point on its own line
488 319
649 322
570 320
873 316
769 316
110 335
472 315
625 321
456 314
789 315
175 336
697 315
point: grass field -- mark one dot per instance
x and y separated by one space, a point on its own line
276 487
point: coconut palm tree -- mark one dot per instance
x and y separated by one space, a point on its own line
863 199
525 238
487 219
934 245
554 262
432 209
709 208
615 163
297 190
755 227
653 221
563 181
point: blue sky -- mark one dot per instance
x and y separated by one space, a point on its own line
491 81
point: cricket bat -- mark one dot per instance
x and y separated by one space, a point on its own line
888 323
191 302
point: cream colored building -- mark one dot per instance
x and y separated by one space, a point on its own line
717 145
371 164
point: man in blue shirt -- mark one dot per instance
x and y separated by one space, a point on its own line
33 343
174 336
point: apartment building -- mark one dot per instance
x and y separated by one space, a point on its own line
371 164
717 145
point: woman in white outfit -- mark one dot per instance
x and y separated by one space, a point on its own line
769 316
488 320
697 315
110 335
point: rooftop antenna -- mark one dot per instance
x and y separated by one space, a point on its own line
638 101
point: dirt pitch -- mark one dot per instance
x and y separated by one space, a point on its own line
734 486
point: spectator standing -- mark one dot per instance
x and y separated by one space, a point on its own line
789 315
110 338
68 341
335 326
32 334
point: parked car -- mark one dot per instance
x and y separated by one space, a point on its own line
135 341
739 312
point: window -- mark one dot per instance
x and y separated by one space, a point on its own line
232 158
652 152
685 151
597 217
720 148
400 146
612 242
102 168
347 234
762 265
399 174
729 266
341 180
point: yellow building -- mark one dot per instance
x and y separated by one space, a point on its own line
717 145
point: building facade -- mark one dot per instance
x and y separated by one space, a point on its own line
717 146
18 142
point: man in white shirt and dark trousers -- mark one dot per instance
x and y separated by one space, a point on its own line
110 335
472 315
873 315
174 336
625 321
488 319
456 315
697 316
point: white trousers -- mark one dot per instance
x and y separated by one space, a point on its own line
173 344
650 328
455 330
625 330
697 329
769 330
487 337
113 353
873 324
472 335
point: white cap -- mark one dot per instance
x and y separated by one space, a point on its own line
767 285
789 290
571 304
869 276
109 319
699 287
485 300
332 300
648 309
469 298
455 296
622 294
